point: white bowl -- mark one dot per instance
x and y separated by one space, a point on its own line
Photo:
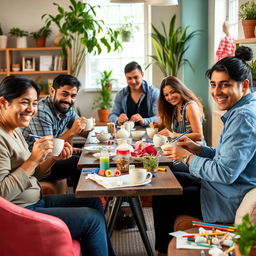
103 137
15 69
111 155
123 140
137 135
168 145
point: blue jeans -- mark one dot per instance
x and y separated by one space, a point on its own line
84 218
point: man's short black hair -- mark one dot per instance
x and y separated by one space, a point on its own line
131 66
62 80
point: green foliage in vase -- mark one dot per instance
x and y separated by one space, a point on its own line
248 11
170 47
42 32
18 32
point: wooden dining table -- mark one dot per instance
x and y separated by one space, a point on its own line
163 183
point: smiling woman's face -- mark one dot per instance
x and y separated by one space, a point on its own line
20 111
171 95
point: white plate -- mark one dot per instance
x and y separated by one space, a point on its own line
97 155
115 182
95 149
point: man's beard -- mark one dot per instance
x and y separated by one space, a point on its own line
61 109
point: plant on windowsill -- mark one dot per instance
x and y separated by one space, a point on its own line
41 35
252 65
246 243
21 37
247 13
82 32
3 39
104 101
128 29
170 48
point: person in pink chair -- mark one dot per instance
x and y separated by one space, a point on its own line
20 170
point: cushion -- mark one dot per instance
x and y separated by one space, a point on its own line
248 205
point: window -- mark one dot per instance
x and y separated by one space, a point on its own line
114 15
233 17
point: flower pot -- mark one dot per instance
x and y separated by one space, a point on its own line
249 27
21 42
57 39
40 41
103 114
3 41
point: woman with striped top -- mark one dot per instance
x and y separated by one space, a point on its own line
180 110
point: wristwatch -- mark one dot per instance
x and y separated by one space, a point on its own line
185 158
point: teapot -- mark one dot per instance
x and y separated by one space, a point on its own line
122 133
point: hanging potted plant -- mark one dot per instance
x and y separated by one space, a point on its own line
21 36
3 39
128 29
170 47
247 14
41 35
82 32
104 101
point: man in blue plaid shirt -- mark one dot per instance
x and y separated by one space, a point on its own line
55 113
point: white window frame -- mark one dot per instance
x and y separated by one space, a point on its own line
147 52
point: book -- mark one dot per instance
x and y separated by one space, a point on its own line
46 63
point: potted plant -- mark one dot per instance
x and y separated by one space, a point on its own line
170 47
41 35
247 14
246 240
3 39
128 29
252 65
104 100
21 36
82 32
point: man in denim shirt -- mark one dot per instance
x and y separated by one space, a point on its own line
219 178
136 102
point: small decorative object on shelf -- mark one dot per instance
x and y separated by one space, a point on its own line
41 35
3 39
28 63
21 37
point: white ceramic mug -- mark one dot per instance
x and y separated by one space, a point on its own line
58 145
89 124
168 145
139 175
151 132
159 140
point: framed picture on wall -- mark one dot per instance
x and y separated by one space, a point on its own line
28 63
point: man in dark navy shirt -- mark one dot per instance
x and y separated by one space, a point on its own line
136 102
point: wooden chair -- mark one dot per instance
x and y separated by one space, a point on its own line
54 187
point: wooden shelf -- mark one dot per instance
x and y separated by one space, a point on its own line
9 55
245 41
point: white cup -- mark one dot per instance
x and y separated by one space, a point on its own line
151 132
58 145
89 124
139 176
168 145
159 140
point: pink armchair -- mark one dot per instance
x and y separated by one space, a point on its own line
24 232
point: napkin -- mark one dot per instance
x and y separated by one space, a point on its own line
114 182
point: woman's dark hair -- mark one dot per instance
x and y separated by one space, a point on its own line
235 66
62 80
166 109
131 66
13 87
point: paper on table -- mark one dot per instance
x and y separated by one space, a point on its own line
114 182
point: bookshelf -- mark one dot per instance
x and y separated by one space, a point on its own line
11 56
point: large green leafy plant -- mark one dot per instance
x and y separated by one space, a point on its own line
82 32
170 47
248 11
247 236
104 100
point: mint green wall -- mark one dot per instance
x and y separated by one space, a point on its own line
195 14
